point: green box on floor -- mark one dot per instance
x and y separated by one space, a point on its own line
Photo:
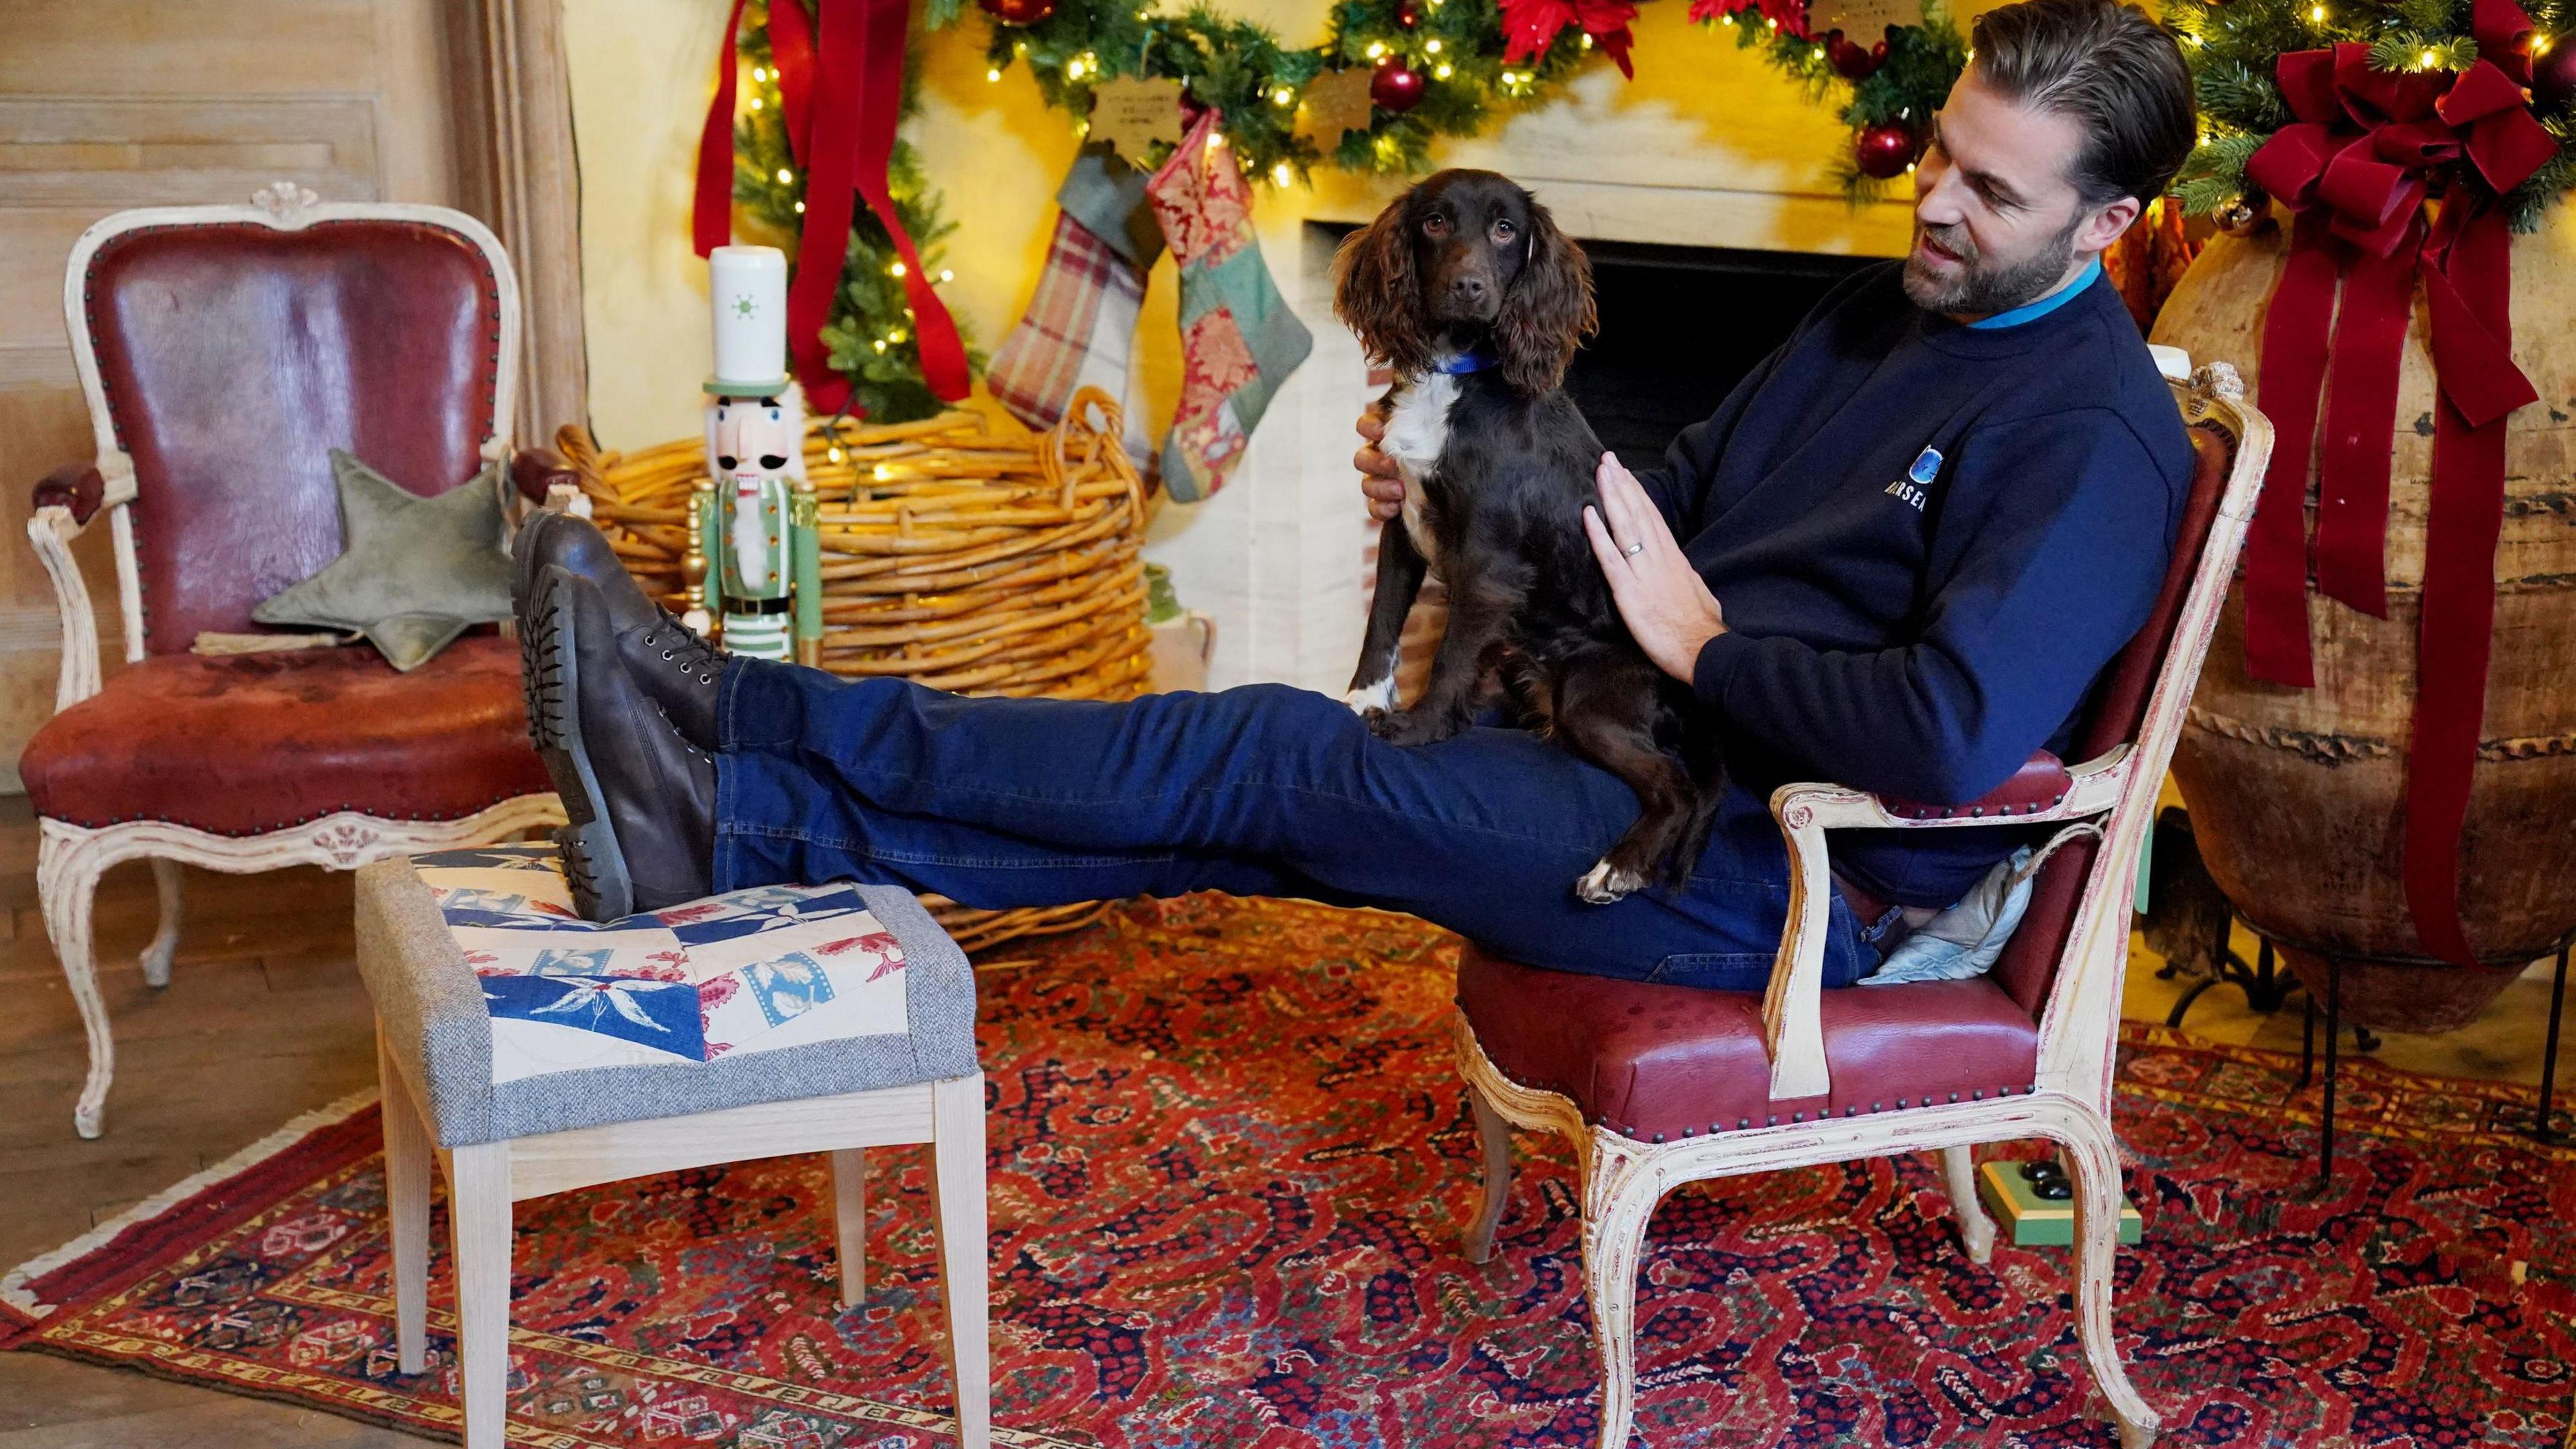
2031 1221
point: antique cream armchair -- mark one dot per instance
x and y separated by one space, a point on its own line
1657 1086
224 351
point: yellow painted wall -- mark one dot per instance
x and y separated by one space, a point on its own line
1700 115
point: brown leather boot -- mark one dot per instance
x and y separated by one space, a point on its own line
640 800
677 670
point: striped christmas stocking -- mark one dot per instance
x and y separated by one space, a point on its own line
1080 329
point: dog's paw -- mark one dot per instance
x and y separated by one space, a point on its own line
1410 727
1372 700
1605 883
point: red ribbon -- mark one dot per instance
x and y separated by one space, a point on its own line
841 88
791 52
2356 167
711 213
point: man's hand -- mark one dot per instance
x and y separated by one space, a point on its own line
1378 476
1666 603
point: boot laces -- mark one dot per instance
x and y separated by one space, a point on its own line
687 652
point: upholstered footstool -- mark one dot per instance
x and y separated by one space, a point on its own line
528 1052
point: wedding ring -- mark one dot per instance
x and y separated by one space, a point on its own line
1633 549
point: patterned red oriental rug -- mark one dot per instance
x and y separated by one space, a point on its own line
1229 1157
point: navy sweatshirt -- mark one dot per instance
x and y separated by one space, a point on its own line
1928 539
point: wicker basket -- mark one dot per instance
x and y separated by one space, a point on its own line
953 556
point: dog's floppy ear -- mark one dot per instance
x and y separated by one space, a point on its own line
1378 295
1548 311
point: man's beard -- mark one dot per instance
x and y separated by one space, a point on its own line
1984 288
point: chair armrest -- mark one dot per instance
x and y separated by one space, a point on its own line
1793 1029
65 501
77 488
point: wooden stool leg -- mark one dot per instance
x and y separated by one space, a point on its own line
850 1222
957 1152
478 1212
407 1164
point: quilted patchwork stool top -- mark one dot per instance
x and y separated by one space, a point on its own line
514 1016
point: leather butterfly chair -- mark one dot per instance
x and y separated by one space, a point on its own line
1659 1085
224 352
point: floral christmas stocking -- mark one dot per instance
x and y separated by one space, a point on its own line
1239 341
1080 329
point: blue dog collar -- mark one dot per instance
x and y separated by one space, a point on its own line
1465 362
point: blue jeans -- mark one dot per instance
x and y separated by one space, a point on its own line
1264 790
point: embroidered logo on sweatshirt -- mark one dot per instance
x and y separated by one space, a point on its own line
1910 489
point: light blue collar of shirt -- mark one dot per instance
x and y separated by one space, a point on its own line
2033 311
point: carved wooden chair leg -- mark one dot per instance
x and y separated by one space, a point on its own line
1617 1202
67 884
1959 1177
850 1221
1496 1134
165 941
2093 1161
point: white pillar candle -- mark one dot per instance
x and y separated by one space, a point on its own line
749 290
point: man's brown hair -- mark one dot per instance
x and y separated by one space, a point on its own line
2109 67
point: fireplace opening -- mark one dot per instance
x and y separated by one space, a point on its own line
1680 326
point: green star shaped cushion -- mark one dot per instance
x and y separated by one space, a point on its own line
417 571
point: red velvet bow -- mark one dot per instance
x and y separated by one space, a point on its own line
1531 26
2368 149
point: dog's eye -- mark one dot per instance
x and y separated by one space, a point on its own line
1503 232
1435 226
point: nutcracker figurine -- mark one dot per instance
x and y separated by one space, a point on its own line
753 520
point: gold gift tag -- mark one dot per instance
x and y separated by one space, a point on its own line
1335 101
1131 113
1863 22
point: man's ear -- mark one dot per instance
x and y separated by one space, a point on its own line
2106 225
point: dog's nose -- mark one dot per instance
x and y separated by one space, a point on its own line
1469 288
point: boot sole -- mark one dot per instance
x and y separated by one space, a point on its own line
594 865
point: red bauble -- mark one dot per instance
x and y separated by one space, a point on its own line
1018 12
1852 62
2553 73
1395 87
1883 152
1406 16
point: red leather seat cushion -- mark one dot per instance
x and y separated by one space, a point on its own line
251 743
1663 1062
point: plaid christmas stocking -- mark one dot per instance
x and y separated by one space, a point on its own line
1239 341
1080 330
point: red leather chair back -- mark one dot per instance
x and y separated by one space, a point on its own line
235 356
2029 964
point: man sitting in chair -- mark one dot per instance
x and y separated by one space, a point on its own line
1897 557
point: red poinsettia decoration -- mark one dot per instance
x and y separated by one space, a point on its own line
1790 15
1531 26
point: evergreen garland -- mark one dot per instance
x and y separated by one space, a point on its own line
2234 45
1457 48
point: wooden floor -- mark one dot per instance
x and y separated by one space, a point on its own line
265 1018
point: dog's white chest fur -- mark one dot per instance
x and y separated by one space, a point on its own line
1417 430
